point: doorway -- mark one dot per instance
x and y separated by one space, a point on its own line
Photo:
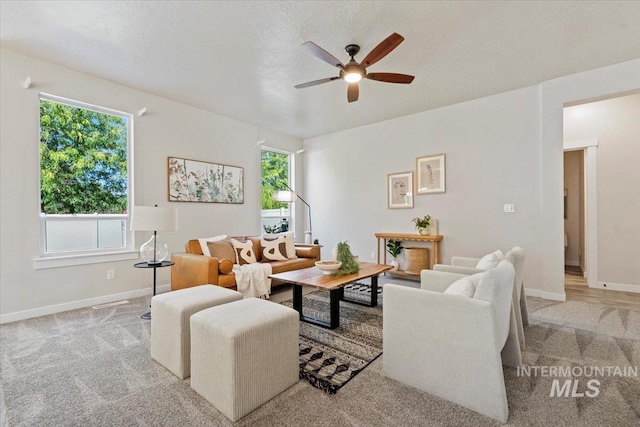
601 244
574 218
581 211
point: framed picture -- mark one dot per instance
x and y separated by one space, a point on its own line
400 190
430 174
197 181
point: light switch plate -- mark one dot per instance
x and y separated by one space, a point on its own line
510 208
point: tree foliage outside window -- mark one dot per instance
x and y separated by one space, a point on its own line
83 160
275 176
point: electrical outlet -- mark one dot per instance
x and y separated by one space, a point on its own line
111 274
510 208
373 255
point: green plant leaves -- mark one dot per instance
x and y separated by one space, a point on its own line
394 247
83 161
344 255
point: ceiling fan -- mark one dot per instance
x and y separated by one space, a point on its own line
355 71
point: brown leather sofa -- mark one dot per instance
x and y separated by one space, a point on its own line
193 268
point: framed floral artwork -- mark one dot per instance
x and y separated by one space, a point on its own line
430 174
198 181
400 190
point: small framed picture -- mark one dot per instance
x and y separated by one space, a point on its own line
400 190
430 174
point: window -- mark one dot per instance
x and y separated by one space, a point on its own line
277 169
84 179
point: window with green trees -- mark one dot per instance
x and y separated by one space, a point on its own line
276 171
84 176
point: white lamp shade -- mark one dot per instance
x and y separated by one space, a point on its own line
285 196
150 218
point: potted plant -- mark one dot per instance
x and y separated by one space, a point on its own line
422 224
349 263
394 247
281 227
269 229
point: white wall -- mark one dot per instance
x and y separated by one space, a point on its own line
501 149
492 158
167 129
616 124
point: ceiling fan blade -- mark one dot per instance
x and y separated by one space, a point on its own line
316 82
382 50
319 52
390 77
353 92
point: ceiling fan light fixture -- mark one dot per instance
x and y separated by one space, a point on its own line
353 77
355 71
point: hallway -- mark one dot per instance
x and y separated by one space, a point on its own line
576 289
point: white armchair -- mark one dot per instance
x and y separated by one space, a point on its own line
517 256
466 265
448 344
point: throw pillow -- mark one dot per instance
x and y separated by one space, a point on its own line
244 252
464 287
475 279
221 249
225 266
274 249
491 260
485 289
205 240
291 246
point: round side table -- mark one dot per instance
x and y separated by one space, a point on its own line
147 316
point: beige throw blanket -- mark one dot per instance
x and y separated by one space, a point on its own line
253 280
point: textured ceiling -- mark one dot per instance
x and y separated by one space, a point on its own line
242 59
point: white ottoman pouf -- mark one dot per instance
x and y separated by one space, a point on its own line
170 327
243 354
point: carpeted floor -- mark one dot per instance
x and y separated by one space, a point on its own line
92 368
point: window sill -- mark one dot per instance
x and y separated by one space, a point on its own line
71 260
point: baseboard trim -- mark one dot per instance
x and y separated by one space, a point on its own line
74 305
572 263
624 287
545 295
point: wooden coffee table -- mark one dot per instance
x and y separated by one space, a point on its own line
335 285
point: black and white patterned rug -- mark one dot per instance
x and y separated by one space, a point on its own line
361 291
330 358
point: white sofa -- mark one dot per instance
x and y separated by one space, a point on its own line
449 345
517 255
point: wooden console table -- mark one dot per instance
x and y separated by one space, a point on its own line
434 240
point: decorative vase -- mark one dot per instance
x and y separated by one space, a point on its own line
423 231
395 264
